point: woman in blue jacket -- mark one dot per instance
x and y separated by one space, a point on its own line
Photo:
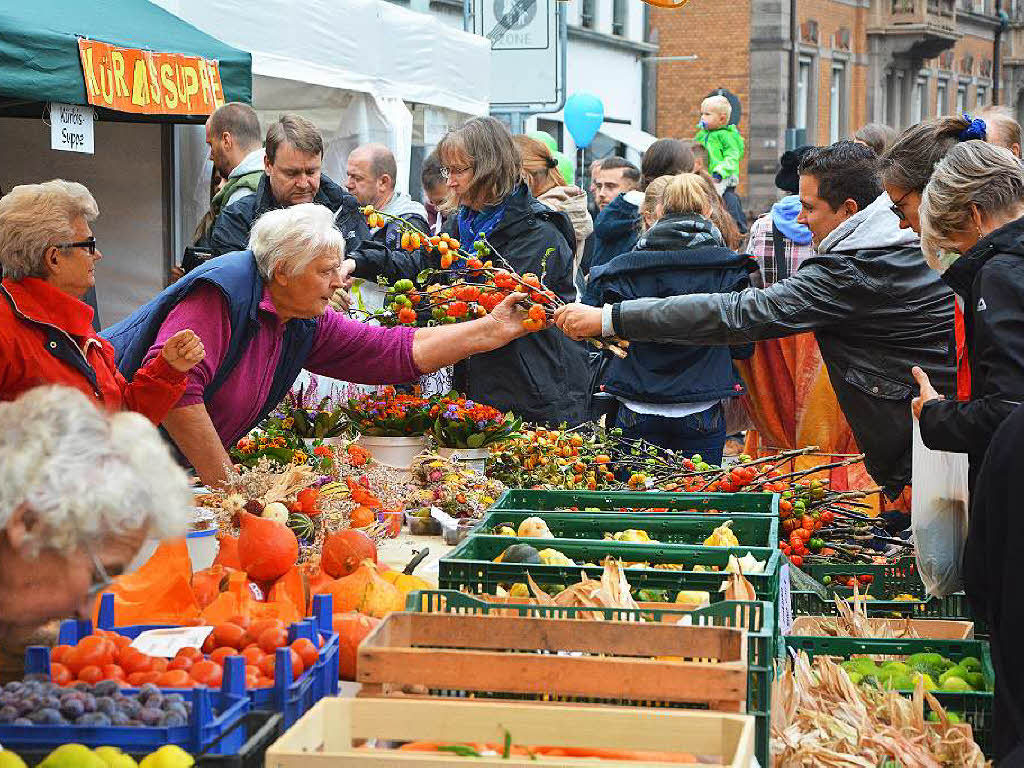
671 395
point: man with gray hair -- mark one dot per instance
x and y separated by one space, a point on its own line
1001 128
292 175
263 315
372 173
236 150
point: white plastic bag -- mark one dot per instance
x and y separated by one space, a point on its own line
939 516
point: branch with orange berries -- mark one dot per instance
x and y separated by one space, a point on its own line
465 300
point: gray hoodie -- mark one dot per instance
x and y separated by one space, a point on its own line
251 162
572 201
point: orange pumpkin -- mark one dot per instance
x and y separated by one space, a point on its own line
315 579
266 549
290 588
344 550
209 583
227 554
158 592
362 516
351 627
366 591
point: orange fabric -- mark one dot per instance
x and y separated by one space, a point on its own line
791 403
160 592
963 365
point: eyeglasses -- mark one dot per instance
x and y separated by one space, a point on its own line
895 207
455 171
89 244
100 578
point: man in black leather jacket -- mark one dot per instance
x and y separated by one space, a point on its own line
874 306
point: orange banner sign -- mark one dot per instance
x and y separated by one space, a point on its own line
144 82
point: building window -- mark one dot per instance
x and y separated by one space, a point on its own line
619 14
941 91
837 102
917 101
982 96
587 14
961 99
552 128
803 92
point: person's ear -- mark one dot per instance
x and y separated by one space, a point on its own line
267 165
226 140
850 207
52 258
976 217
1015 149
18 526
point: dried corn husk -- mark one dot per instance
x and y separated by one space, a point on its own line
853 621
612 591
820 718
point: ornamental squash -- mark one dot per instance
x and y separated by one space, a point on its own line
366 591
351 627
344 550
266 549
405 580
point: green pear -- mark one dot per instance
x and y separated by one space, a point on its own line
956 685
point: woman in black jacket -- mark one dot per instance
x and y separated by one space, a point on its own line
543 377
669 394
971 229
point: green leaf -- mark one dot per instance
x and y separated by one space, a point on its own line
475 441
424 276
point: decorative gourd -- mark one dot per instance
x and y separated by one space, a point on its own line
519 553
534 527
366 591
362 516
266 549
344 550
227 554
301 525
405 580
351 627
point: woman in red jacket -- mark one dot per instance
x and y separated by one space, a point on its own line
48 255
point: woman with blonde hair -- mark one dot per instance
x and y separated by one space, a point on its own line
671 395
540 169
543 377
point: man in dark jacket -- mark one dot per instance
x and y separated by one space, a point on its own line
617 226
294 153
874 305
372 171
543 377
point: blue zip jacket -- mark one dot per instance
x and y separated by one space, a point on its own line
236 276
616 230
681 254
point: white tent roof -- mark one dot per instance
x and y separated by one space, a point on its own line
371 46
622 132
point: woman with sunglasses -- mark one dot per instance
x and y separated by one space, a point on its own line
80 491
48 256
543 377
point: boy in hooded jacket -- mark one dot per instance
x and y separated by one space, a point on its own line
722 140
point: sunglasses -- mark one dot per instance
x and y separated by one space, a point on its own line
895 207
100 578
89 244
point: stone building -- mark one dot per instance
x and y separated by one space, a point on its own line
860 61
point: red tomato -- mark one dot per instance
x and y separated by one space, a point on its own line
272 639
158 664
59 653
253 655
90 651
210 644
134 660
180 662
113 672
175 678
207 673
267 666
229 635
60 674
190 653
259 627
796 560
307 652
91 674
135 679
217 657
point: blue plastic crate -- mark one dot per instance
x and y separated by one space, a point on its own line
214 714
292 698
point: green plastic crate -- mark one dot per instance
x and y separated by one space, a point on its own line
953 606
470 567
890 579
757 618
751 530
976 707
632 501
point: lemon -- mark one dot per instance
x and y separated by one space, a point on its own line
169 756
10 760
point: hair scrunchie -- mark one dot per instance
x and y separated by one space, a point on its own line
551 162
976 130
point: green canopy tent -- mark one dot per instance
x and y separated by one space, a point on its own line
39 59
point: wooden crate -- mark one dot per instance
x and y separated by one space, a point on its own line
333 733
511 656
932 629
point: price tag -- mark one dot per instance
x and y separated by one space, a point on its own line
167 642
785 601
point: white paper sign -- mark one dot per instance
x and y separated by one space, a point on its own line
785 601
167 642
71 128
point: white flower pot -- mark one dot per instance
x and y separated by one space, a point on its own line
394 451
474 458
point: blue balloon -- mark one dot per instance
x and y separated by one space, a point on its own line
583 114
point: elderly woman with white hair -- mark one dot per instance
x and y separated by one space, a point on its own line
48 255
80 490
263 316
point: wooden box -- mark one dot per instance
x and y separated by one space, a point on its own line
931 629
504 656
335 732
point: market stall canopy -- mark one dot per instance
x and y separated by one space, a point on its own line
39 49
369 46
628 135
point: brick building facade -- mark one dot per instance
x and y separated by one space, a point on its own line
860 61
